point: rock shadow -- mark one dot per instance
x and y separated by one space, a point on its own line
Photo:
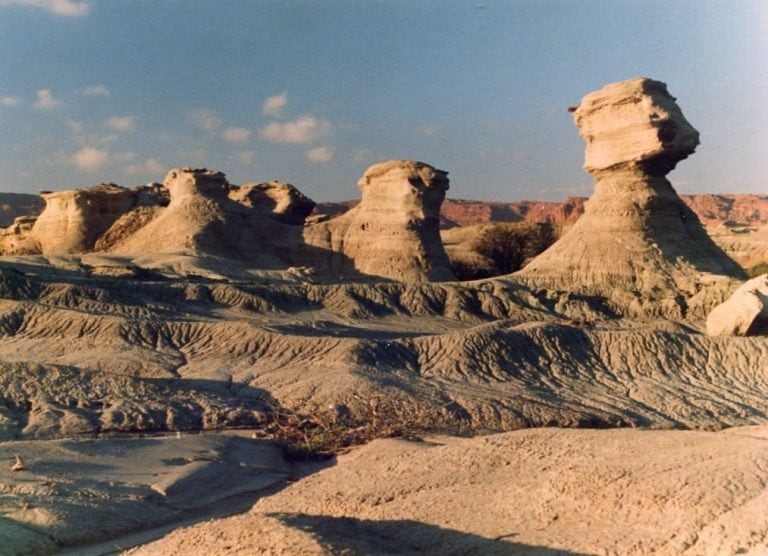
404 536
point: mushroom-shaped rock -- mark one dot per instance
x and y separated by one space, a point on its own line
745 313
394 232
636 234
74 219
282 200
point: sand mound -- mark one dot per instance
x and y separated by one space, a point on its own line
533 492
635 233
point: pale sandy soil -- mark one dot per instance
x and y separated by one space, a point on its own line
78 492
544 491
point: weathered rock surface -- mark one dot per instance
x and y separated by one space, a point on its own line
394 232
745 313
636 234
283 200
75 218
201 218
17 238
537 492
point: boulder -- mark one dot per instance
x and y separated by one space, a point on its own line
745 313
281 200
636 234
74 219
394 232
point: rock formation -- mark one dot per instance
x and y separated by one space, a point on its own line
394 231
17 238
286 203
745 313
202 219
75 218
636 233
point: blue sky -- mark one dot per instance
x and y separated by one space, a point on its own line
313 92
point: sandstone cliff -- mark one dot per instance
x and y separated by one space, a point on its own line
636 234
394 231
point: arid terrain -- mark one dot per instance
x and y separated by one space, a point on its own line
176 353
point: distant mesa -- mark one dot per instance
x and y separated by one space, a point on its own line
394 232
636 234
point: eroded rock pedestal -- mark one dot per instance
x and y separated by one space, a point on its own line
395 230
636 234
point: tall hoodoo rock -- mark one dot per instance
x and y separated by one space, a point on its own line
636 233
74 219
394 232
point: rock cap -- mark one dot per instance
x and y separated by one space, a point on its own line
634 123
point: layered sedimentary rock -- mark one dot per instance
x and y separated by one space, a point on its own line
75 218
745 313
394 232
201 218
282 200
636 233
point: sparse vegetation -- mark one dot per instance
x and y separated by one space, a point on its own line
334 430
509 247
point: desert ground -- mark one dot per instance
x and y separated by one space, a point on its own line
199 367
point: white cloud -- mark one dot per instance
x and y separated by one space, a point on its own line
274 105
123 124
45 100
205 119
67 8
9 101
320 155
89 159
237 135
306 129
94 90
149 166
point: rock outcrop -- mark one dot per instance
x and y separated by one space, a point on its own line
282 200
202 219
636 234
17 238
394 232
745 313
74 219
